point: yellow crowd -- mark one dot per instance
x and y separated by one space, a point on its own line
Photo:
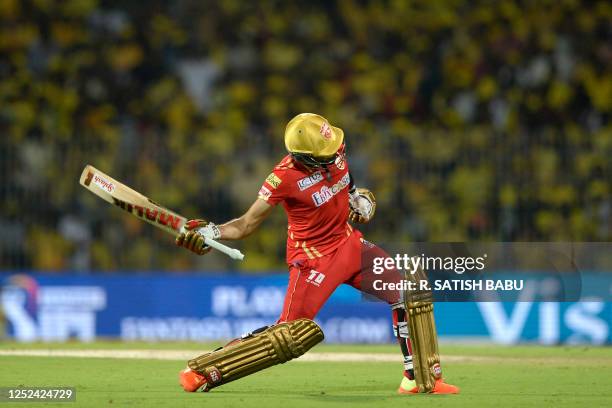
485 121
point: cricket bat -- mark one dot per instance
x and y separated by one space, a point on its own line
131 201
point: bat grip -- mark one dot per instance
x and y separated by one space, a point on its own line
231 252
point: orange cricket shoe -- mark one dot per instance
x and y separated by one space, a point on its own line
191 380
409 387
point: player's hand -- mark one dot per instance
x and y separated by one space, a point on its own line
193 233
362 206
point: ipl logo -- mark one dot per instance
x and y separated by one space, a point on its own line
50 313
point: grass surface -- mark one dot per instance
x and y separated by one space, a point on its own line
509 376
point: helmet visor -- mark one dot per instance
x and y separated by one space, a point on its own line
314 162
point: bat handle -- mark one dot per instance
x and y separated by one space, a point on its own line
231 252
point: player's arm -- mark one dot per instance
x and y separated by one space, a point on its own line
193 233
245 225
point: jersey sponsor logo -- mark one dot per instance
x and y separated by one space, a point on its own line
309 181
273 180
327 193
325 131
264 193
315 277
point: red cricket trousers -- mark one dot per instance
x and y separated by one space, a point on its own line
312 281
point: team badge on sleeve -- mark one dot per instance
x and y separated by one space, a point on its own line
264 193
273 180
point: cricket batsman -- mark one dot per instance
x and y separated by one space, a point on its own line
318 194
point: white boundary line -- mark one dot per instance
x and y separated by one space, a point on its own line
308 357
186 355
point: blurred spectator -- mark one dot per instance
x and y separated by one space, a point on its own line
470 121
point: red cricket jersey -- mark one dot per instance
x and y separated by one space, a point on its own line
317 208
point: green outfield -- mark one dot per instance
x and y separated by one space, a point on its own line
488 376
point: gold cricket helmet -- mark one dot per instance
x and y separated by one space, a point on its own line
310 135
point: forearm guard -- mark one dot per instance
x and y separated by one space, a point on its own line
423 335
275 345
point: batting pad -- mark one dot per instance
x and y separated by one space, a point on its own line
275 345
423 335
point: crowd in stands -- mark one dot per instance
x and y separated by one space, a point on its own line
480 121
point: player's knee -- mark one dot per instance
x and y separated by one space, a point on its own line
297 313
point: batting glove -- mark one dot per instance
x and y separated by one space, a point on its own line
193 233
362 205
